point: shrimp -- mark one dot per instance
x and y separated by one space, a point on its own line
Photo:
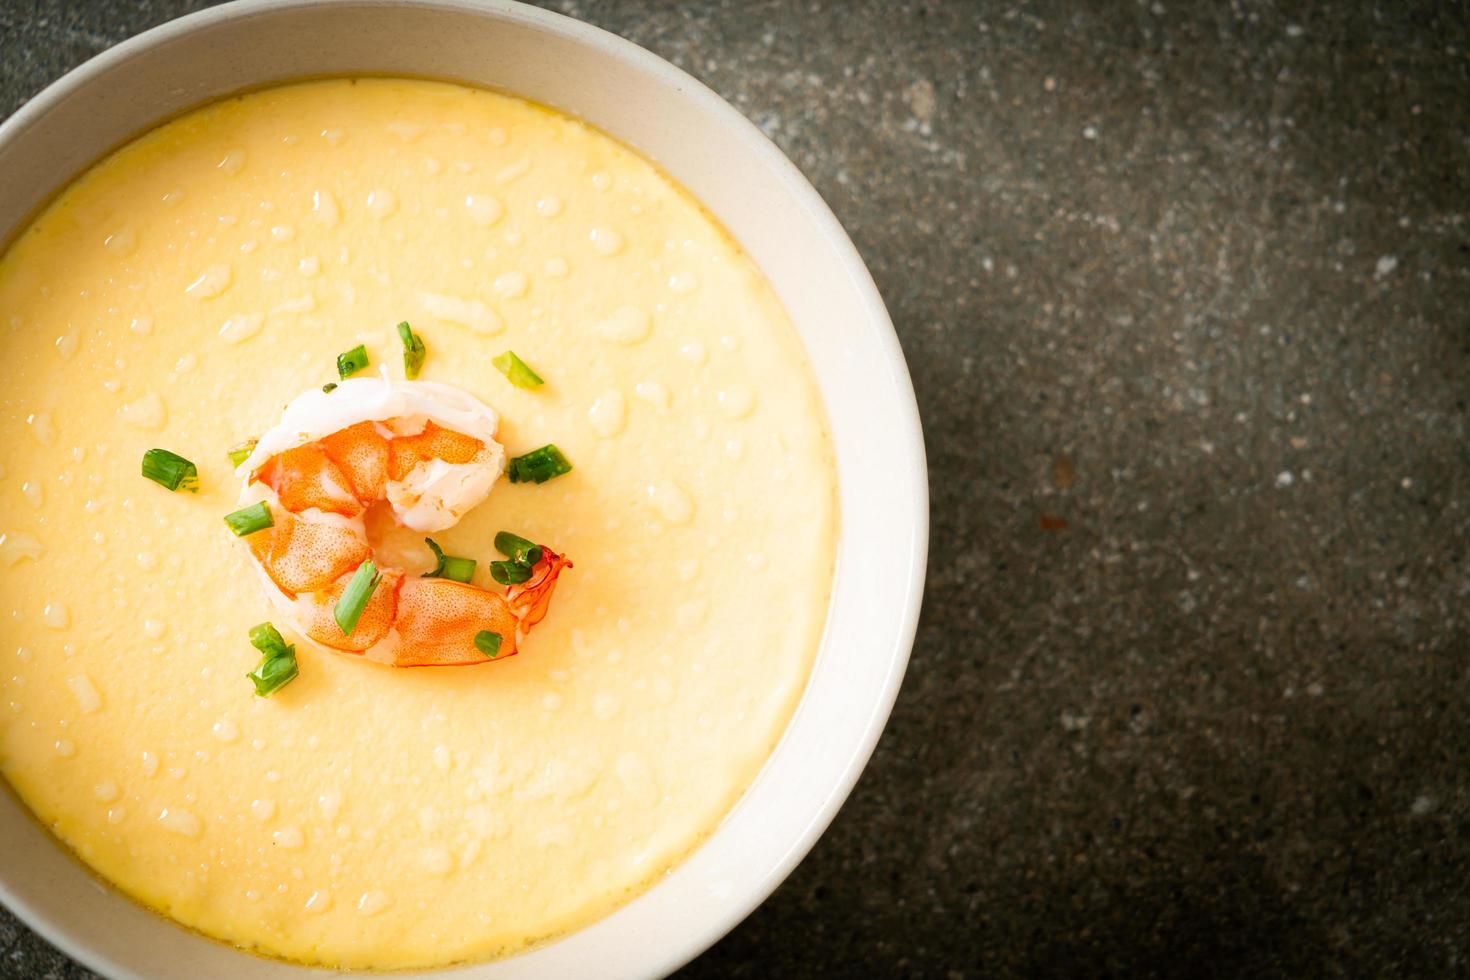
426 455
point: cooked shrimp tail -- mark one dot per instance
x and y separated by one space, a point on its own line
532 598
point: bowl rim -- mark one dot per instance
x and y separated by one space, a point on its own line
909 459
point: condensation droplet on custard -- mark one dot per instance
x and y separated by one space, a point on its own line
436 860
67 344
465 312
85 692
608 414
180 821
262 810
405 130
626 325
305 303
484 210
605 241
324 208
309 266
41 429
507 174
671 502
510 285
241 327
601 180
146 413
56 615
557 267
282 234
233 162
213 281
736 401
373 902
31 490
150 764
289 838
225 730
682 284
330 803
636 776
549 206
121 242
442 760
605 705
319 902
106 792
16 546
694 352
141 325
655 394
381 203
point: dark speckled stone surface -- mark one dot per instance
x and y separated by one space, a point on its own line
1185 290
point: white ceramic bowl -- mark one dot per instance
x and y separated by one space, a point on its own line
781 222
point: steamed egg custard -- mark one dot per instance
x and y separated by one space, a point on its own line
419 377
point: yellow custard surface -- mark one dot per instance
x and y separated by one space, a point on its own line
178 295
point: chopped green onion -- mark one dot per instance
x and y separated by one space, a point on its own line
355 597
522 555
517 370
352 362
329 387
241 451
248 520
170 470
278 660
450 567
269 641
509 572
539 465
413 351
517 548
273 674
488 643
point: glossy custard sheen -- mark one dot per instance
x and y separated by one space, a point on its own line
187 287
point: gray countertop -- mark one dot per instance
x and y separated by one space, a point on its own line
1185 291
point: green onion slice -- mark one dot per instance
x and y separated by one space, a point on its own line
352 362
355 597
329 387
278 660
539 465
450 566
517 370
517 548
509 572
273 674
248 520
488 643
269 641
413 351
241 451
170 470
